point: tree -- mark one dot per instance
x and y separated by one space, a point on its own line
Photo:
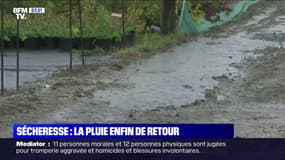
168 16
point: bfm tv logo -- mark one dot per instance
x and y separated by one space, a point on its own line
21 12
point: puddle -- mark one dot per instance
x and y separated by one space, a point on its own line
280 19
161 80
34 65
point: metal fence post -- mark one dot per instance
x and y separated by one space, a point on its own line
2 47
18 52
123 22
70 35
81 31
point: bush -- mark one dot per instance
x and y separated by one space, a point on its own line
209 9
142 14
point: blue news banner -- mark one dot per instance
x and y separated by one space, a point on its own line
136 141
123 131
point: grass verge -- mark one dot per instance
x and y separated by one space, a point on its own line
150 43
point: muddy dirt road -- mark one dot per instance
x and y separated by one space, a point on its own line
235 74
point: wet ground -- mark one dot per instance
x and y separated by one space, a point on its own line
33 65
180 76
234 74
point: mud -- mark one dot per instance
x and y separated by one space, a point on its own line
230 75
255 104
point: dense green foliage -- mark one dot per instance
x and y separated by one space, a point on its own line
206 8
97 20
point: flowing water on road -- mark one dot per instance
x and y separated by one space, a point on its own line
183 75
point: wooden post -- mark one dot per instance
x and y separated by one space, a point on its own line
168 16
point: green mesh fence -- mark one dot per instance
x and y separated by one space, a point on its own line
187 24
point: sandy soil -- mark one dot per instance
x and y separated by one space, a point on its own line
244 85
